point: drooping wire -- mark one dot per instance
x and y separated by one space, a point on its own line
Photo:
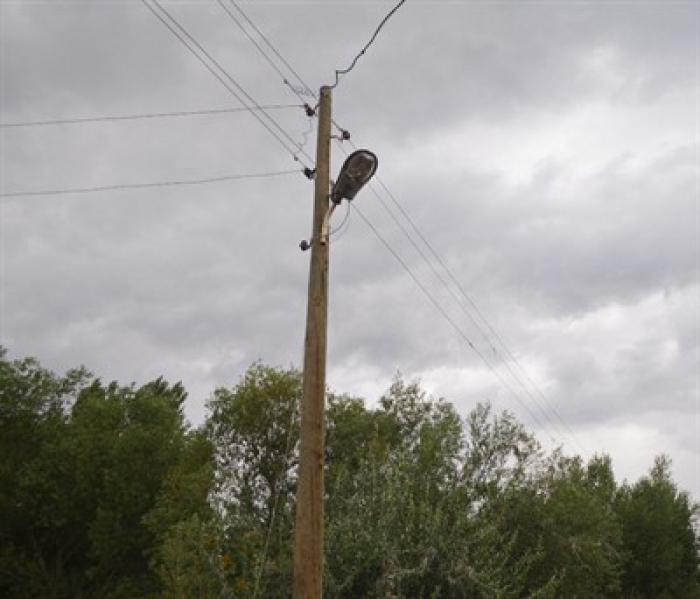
305 137
464 294
136 117
451 321
466 312
101 188
193 41
232 80
339 231
460 303
478 312
304 89
367 45
300 93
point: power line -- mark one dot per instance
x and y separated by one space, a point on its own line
278 54
460 303
212 71
221 79
542 407
136 117
367 45
232 80
299 93
464 294
449 319
101 188
305 91
471 302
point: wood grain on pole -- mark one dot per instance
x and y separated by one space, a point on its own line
308 536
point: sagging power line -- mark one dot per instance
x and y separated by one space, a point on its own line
300 92
301 89
138 117
441 310
459 297
225 78
121 186
544 408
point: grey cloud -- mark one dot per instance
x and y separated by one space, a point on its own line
196 283
617 237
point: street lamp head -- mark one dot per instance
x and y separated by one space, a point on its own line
356 172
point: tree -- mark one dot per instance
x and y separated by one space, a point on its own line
41 547
185 553
106 492
126 441
86 463
254 429
662 545
570 516
404 515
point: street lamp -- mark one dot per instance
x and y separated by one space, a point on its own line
356 172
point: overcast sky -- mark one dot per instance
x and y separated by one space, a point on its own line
547 152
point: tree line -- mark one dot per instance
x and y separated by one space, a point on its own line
107 492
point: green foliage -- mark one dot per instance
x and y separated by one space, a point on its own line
126 442
568 511
254 429
104 492
187 560
419 502
657 521
86 463
41 546
407 522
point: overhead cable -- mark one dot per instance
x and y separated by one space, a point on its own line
468 314
303 89
287 145
451 321
478 312
299 92
136 117
233 81
50 192
460 303
367 45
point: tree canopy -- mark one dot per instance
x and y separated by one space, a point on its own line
107 491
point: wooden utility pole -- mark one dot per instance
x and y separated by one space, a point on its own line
308 539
